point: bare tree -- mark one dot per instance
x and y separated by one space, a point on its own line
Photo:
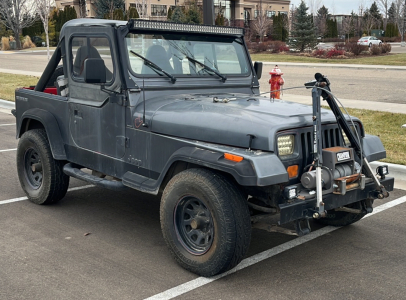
348 26
43 9
400 14
384 7
262 23
314 5
141 6
16 15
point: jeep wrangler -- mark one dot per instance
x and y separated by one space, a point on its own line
176 109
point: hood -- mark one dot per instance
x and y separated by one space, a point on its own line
228 119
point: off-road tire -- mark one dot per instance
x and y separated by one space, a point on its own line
224 205
48 185
342 218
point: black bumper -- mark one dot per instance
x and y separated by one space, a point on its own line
299 209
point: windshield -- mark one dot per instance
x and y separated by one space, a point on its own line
189 55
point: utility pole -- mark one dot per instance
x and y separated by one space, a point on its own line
208 12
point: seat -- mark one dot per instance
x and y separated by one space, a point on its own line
158 55
82 54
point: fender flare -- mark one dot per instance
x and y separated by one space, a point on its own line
253 170
51 126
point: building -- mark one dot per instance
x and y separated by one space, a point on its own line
89 10
237 12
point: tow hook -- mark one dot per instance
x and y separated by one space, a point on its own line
302 226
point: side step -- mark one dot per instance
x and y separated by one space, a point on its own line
141 183
70 170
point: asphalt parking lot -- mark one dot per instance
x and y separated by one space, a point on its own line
100 244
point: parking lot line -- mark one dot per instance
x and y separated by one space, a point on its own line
11 124
25 198
6 150
201 281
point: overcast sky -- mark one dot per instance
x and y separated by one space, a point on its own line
339 6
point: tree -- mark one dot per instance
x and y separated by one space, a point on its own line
400 16
178 16
262 23
16 15
219 20
170 12
392 13
193 14
43 10
107 7
303 29
321 21
314 6
132 13
348 26
368 22
384 6
118 14
376 15
280 31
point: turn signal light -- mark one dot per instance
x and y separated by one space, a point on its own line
233 157
293 171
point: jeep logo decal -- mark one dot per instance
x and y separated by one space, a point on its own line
343 156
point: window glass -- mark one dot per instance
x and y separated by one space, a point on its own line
158 10
188 55
91 47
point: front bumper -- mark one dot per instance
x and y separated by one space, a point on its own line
299 209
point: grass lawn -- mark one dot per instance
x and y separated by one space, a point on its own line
9 82
383 124
388 127
390 60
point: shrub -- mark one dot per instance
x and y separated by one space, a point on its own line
27 43
334 52
386 48
375 50
277 46
319 53
339 46
354 48
5 43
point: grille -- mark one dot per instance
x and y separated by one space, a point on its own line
331 137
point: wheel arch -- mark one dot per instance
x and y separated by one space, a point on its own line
38 118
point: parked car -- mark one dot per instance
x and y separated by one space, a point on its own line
369 41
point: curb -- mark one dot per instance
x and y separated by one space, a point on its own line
7 104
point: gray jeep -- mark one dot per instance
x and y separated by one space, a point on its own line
175 109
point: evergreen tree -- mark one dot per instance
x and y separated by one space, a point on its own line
118 14
303 29
392 13
279 30
132 13
178 16
193 14
106 8
321 21
219 20
170 12
376 15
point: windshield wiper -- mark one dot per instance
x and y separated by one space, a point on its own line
150 64
206 67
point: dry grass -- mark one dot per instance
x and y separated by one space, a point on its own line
9 82
5 44
388 126
27 43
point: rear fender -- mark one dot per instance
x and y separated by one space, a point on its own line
50 125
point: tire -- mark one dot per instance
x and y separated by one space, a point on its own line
47 184
370 45
342 218
205 221
380 44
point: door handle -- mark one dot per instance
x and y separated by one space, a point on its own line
77 114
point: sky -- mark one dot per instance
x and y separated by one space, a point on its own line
338 6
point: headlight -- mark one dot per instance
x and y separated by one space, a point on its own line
286 145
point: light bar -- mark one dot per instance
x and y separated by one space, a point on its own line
159 25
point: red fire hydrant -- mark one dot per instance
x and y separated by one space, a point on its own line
276 82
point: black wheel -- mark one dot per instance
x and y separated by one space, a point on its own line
342 218
370 45
205 221
41 177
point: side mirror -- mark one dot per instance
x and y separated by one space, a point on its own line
94 70
258 69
